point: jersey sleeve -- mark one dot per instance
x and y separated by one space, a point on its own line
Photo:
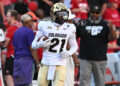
73 28
39 34
41 25
73 44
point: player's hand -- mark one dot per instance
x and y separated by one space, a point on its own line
77 62
43 38
64 54
44 41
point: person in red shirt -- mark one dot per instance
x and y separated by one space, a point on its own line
80 8
14 25
112 14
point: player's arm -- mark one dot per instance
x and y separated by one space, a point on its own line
36 44
40 40
76 60
73 44
39 34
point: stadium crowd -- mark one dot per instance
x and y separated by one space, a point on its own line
19 37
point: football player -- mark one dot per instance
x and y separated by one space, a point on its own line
54 36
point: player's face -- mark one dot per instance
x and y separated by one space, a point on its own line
62 16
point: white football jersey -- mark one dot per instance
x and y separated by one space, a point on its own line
59 35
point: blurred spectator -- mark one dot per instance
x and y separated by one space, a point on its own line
112 14
40 4
100 3
80 8
32 6
2 15
24 66
46 5
40 13
21 6
95 34
7 5
12 16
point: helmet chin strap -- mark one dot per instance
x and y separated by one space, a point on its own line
95 21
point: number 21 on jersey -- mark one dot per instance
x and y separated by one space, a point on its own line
57 42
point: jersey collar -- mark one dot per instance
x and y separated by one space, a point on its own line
56 24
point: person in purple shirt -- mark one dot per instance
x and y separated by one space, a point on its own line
25 56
